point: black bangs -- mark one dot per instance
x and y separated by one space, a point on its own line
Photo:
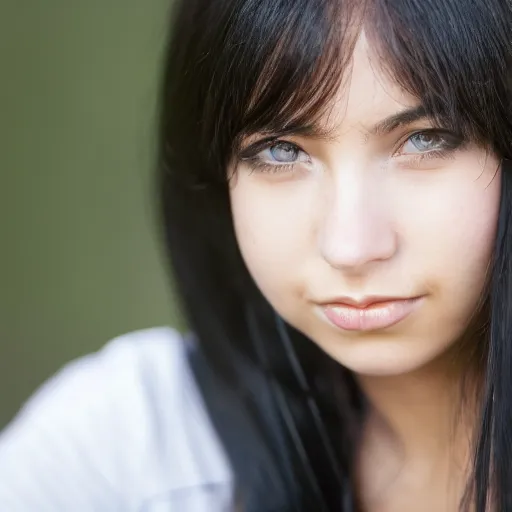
456 57
279 65
301 67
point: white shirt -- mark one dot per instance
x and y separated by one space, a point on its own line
123 429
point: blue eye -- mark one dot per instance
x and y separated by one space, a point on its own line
282 153
423 142
277 156
431 144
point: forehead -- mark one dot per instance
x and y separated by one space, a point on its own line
368 93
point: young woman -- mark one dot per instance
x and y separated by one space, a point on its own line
338 206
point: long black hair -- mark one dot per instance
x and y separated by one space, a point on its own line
237 67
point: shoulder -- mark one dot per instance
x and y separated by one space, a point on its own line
125 370
129 416
134 373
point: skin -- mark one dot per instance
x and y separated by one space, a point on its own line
360 214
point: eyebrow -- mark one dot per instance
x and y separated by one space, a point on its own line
403 118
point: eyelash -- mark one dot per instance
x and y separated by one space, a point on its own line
251 155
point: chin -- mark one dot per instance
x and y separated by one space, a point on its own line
380 358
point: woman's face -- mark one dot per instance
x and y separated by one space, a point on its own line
374 243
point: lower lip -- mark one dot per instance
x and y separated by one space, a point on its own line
376 316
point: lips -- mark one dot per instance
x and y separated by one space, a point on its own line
369 314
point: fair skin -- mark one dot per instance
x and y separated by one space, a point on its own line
367 214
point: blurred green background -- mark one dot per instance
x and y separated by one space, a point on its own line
80 258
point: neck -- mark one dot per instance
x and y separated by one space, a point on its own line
429 413
418 439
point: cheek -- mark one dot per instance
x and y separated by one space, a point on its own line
274 225
449 238
454 225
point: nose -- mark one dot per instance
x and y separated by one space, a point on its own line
357 228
